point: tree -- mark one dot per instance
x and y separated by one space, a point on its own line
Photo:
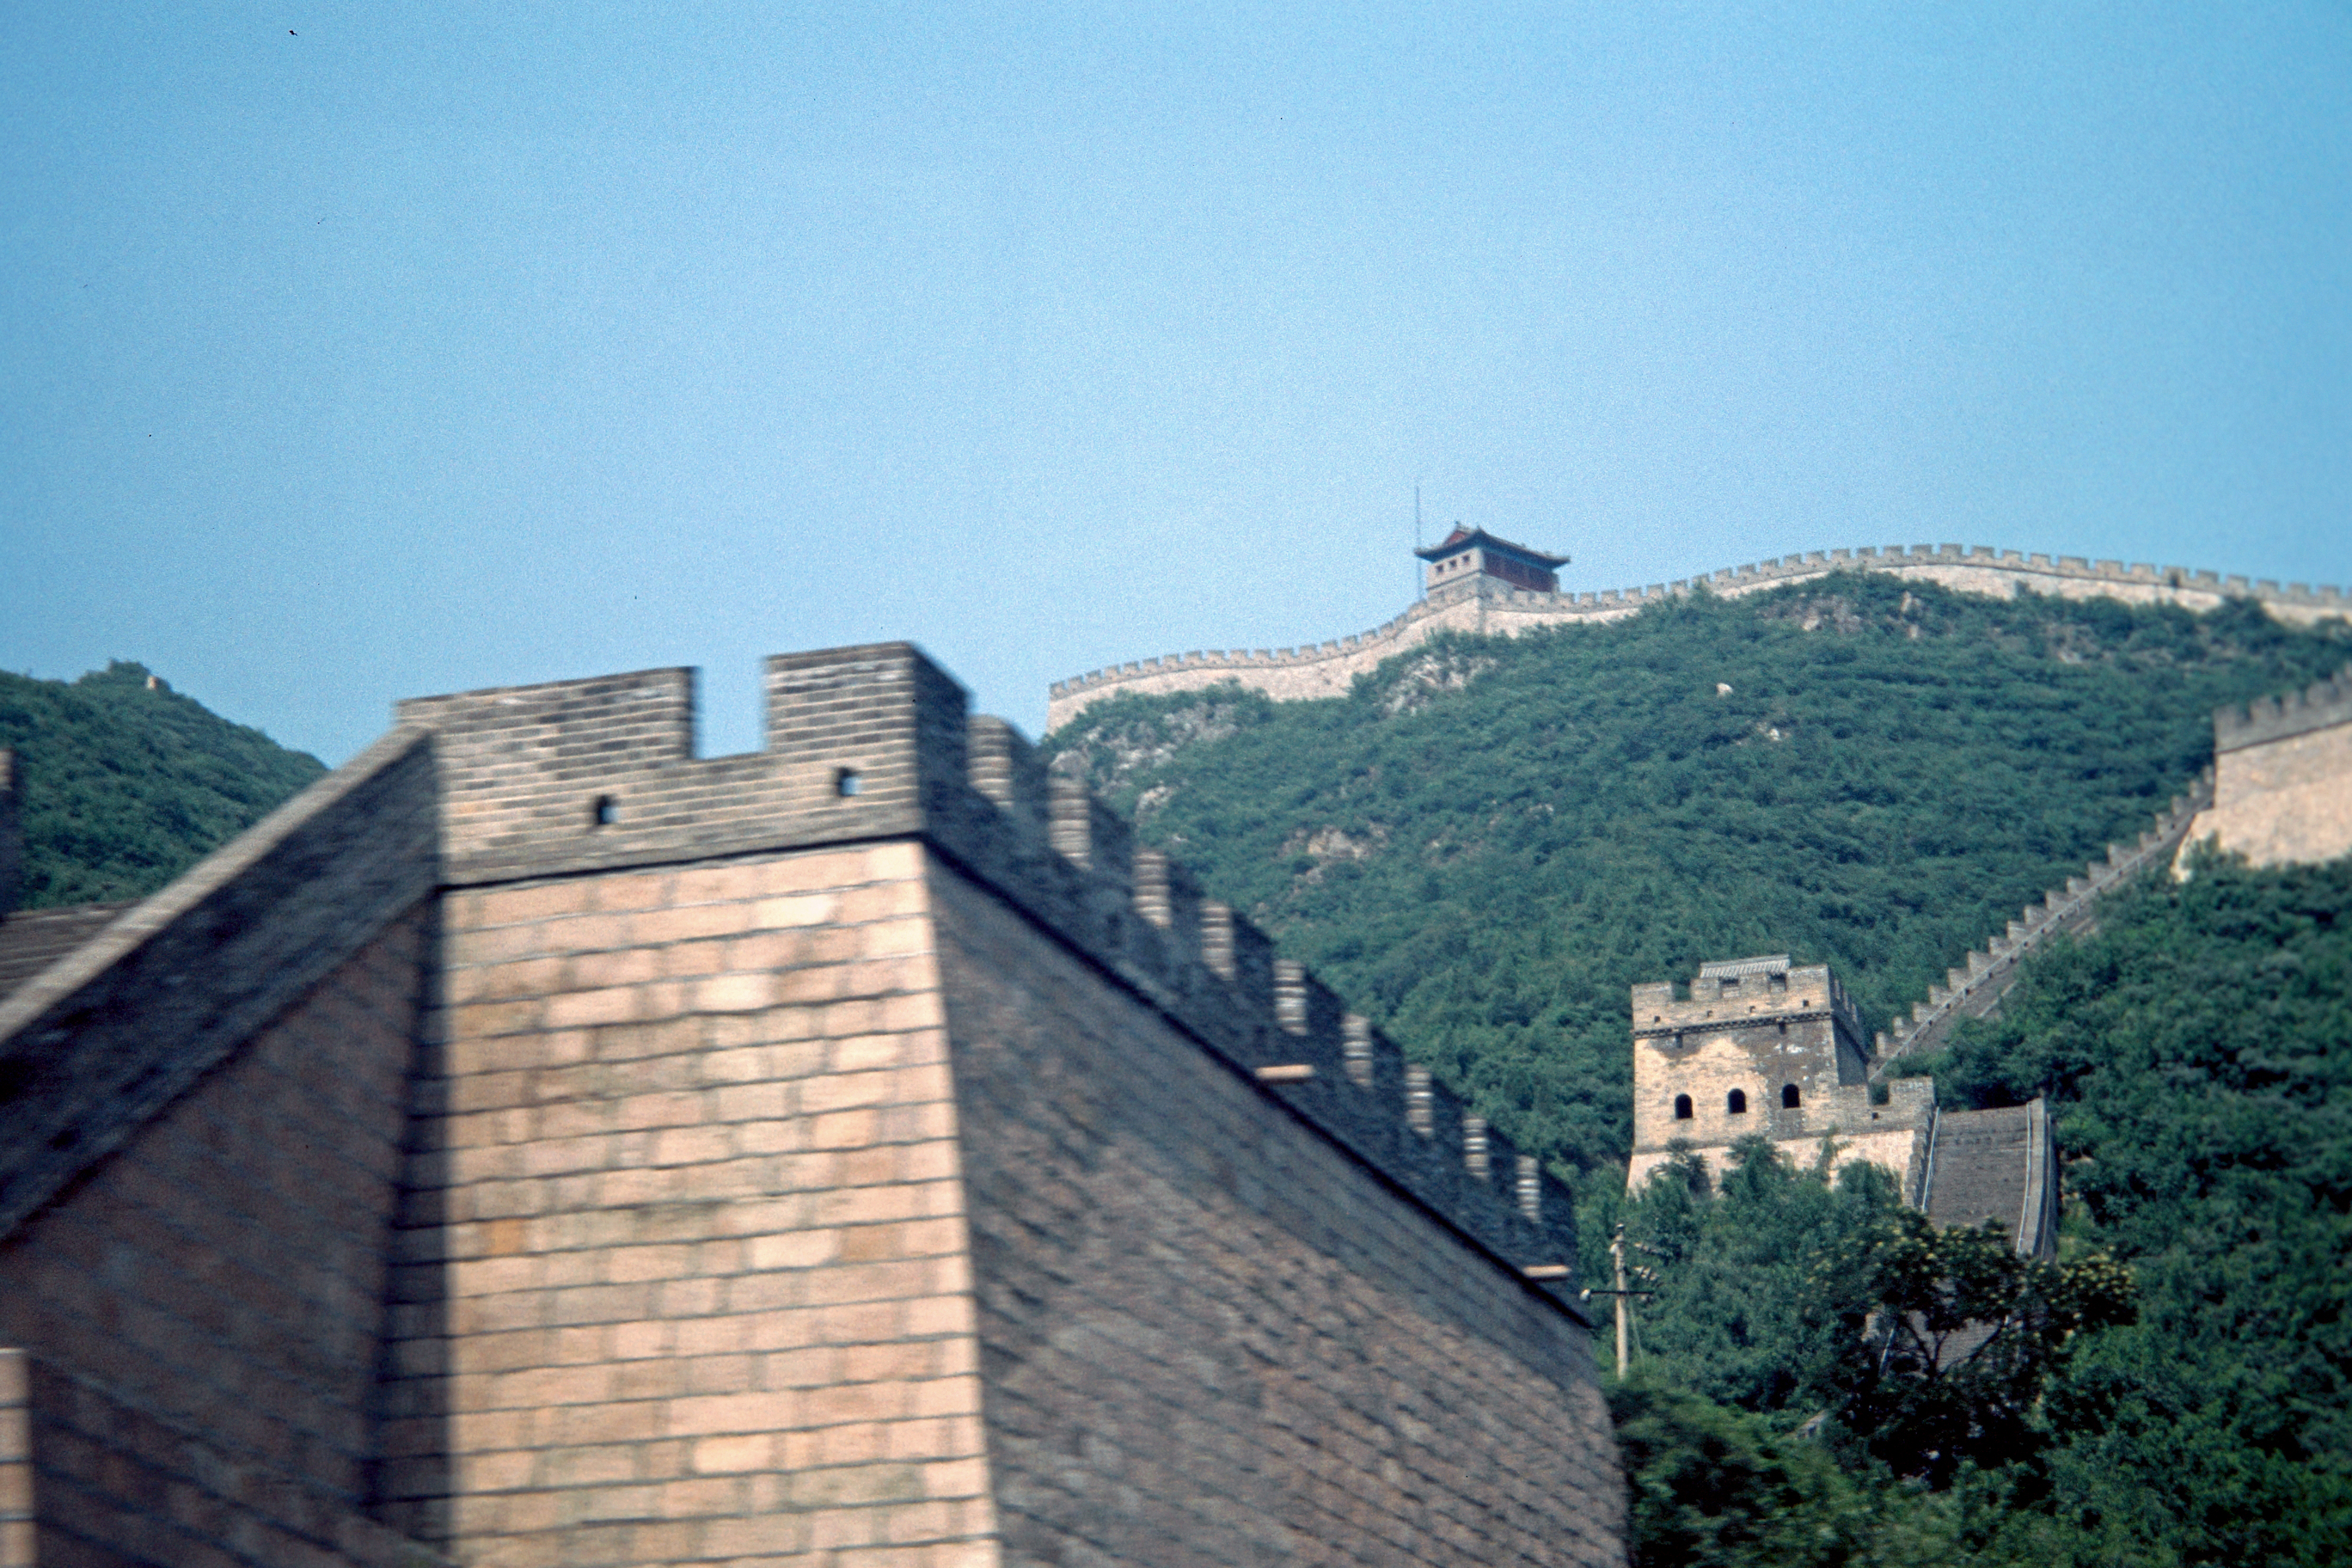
1944 1339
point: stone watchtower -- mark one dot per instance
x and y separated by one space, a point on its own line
1467 554
1760 1047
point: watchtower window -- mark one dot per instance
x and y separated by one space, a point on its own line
1789 1098
1736 1102
1682 1107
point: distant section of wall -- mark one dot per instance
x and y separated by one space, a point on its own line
1481 604
2283 784
1974 987
1999 1165
1755 1028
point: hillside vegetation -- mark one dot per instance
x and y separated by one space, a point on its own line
124 786
1486 842
2198 1054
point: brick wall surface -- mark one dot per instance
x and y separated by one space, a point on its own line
1210 1336
118 1485
544 1145
224 1271
16 1522
2283 802
684 1274
101 1041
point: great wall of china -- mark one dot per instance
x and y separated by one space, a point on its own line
1974 987
1480 605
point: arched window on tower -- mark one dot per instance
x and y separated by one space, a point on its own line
1736 1102
1789 1100
1682 1107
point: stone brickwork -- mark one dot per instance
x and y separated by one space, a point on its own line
108 1483
690 1284
748 1054
1479 605
539 1145
1724 1062
204 1309
1714 1066
1208 1335
98 1043
19 1521
2283 777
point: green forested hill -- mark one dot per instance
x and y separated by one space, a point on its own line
1489 840
124 786
2197 1052
1485 842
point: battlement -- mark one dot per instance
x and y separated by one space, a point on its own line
1737 991
874 742
1480 604
2319 705
1974 987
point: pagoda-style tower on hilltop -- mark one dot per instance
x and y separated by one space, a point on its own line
1468 553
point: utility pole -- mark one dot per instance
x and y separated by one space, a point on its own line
1617 1257
1623 1291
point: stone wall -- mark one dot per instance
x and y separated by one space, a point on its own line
1974 987
104 1483
2283 777
684 1273
543 1145
100 1041
198 1321
1481 606
685 1279
1209 1336
1739 1031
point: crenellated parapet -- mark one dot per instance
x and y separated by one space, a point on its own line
1974 987
1482 604
2283 795
874 742
2319 705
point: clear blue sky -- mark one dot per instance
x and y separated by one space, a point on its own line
354 351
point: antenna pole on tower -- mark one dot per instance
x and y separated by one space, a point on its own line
1419 586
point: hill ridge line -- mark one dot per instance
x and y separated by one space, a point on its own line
1484 605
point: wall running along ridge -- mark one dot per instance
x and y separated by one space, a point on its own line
1974 987
1483 606
854 1152
2283 795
